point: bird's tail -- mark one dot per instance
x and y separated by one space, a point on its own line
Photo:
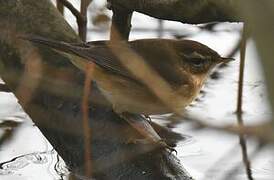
72 48
63 47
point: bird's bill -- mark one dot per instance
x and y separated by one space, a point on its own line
226 59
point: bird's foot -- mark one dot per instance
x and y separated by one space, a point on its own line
161 143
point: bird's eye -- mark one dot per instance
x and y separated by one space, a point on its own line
197 62
195 59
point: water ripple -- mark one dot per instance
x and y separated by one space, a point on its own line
20 162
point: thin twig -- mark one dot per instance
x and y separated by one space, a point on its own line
82 29
82 24
72 9
86 126
81 17
242 140
241 73
245 157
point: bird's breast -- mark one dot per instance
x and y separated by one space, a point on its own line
128 96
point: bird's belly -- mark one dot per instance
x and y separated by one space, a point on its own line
134 101
129 96
126 95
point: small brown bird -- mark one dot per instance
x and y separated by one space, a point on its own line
183 64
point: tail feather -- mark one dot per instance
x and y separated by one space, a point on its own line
95 53
58 45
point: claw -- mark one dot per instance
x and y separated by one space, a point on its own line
163 144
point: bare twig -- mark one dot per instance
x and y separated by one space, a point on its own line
81 17
241 73
72 9
263 132
86 126
82 24
245 157
242 140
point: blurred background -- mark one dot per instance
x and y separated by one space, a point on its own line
205 153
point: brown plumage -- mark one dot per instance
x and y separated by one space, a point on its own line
183 64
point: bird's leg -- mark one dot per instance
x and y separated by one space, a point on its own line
139 123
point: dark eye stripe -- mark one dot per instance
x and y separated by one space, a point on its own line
197 62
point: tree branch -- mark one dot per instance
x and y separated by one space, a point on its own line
72 9
185 11
81 17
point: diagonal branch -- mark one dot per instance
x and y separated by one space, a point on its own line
72 9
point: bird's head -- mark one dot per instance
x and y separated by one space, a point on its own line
197 58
